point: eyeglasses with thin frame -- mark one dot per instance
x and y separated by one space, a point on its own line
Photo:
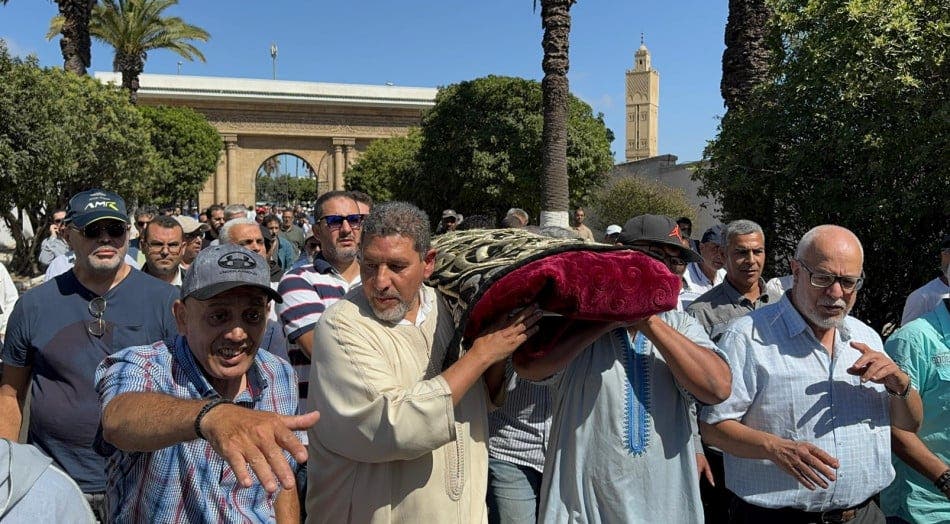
113 228
97 327
335 222
158 247
824 280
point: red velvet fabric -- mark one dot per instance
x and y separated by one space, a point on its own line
621 285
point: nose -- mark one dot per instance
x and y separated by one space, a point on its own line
345 226
382 280
236 334
835 290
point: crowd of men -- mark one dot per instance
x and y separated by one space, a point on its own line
247 366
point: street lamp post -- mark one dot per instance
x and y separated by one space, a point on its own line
273 56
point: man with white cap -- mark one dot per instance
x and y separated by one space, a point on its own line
194 232
187 420
611 234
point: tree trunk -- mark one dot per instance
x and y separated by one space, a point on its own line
131 67
556 21
75 43
745 62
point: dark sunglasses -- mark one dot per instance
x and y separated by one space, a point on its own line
141 223
57 220
94 230
336 221
97 327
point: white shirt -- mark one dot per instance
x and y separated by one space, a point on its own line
924 299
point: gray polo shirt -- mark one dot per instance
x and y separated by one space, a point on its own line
720 305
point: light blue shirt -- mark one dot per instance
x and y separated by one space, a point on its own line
785 383
922 349
621 447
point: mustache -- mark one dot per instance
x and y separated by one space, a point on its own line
392 294
833 303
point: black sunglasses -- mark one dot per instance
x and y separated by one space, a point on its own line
97 327
94 230
336 221
57 220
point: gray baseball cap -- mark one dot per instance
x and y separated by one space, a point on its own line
220 268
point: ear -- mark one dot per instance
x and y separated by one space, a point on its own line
429 260
181 314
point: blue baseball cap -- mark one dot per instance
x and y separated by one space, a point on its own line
93 205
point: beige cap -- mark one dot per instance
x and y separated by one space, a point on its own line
190 225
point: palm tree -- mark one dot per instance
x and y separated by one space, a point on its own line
745 62
556 21
75 44
135 27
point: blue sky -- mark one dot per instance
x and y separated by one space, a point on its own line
436 43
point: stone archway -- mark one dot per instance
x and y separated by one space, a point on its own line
326 125
276 180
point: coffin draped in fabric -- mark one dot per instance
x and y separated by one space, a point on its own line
484 274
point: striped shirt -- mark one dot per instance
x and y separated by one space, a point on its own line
188 481
307 292
519 429
785 383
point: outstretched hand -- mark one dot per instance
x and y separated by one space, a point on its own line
877 367
257 438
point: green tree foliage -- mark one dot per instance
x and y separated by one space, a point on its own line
632 196
387 166
61 133
135 27
480 152
853 132
189 146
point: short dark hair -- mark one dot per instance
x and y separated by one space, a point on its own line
476 222
329 195
212 208
362 198
270 218
165 222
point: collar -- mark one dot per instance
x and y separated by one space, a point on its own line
425 308
738 298
943 319
255 379
321 265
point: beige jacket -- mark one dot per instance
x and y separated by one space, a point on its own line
389 446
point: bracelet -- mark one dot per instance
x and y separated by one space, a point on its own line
900 395
943 481
204 411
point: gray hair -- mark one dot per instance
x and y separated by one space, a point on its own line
520 213
740 227
808 240
224 235
234 209
398 218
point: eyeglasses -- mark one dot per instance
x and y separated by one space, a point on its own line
141 223
335 222
661 255
94 230
97 327
823 280
57 220
157 247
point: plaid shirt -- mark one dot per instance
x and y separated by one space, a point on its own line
188 481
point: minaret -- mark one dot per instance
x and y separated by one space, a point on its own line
643 97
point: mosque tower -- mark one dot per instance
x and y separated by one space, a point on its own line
643 97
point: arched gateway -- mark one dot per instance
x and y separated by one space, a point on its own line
327 125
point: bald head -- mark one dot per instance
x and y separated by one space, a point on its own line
828 240
827 270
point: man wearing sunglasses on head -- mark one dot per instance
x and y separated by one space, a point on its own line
61 330
806 429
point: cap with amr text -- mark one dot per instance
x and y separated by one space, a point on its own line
659 229
220 268
95 204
